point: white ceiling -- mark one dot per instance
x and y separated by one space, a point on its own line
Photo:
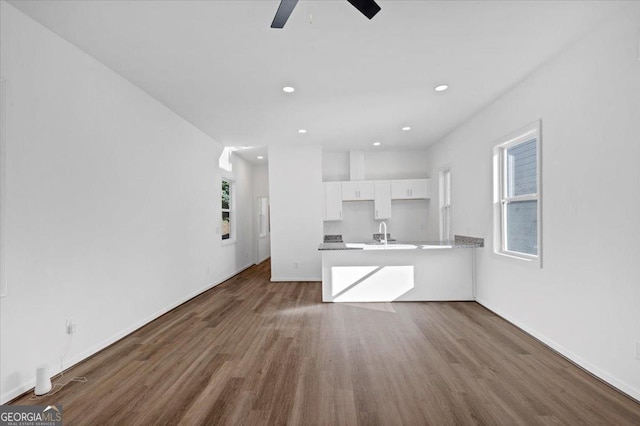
220 66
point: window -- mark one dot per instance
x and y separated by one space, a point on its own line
224 162
445 203
517 194
227 210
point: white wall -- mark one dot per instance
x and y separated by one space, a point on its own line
585 302
335 166
261 180
409 218
112 205
295 188
260 189
411 164
378 164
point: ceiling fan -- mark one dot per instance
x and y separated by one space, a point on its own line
368 8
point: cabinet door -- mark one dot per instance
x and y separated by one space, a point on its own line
420 188
401 189
410 189
332 201
382 200
357 190
366 190
349 191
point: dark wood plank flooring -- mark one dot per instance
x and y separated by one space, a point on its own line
254 352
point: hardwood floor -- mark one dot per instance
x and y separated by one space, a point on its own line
254 352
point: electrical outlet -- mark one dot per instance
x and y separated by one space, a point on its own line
295 265
71 327
638 350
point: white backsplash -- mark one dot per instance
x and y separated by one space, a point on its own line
408 221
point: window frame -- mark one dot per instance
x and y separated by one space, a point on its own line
502 200
231 210
444 207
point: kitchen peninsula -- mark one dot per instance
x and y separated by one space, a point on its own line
417 271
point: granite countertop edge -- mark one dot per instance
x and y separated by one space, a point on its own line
458 242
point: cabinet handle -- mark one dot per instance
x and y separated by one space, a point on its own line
340 214
376 213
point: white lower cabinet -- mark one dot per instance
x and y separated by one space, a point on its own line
382 200
332 201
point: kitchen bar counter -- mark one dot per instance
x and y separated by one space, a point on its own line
417 271
458 242
420 245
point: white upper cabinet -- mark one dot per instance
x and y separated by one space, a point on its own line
410 189
366 190
382 200
349 191
381 192
358 190
332 201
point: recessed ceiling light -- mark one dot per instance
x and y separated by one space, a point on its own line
302 131
406 128
441 87
288 89
260 157
376 144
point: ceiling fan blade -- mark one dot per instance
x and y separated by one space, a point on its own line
283 13
368 8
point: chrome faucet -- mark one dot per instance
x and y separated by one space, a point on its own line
384 235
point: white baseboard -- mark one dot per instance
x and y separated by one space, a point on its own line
262 260
599 373
24 387
292 279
